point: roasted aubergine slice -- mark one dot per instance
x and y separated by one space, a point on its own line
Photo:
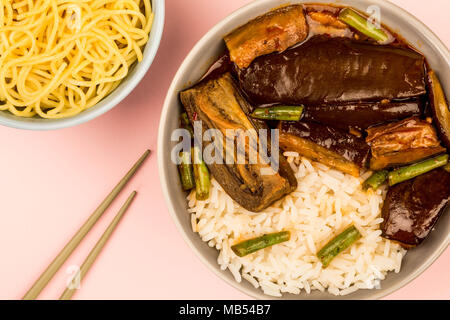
274 31
324 144
439 108
219 105
412 208
402 142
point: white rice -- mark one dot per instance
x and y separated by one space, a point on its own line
325 202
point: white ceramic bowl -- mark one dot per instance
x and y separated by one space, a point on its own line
135 75
196 63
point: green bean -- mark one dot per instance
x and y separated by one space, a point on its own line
186 172
338 244
287 113
252 245
362 24
185 124
417 169
201 175
376 180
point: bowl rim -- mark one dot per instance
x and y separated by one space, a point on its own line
374 294
111 100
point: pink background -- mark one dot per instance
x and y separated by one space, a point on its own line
52 181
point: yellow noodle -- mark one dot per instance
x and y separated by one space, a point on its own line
60 57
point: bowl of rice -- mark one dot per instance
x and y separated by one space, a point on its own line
373 268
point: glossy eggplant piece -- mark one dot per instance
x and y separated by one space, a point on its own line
324 144
361 115
219 105
395 159
412 208
274 31
402 142
325 22
439 108
334 70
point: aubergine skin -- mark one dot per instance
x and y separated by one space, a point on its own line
333 147
412 208
439 108
362 115
334 70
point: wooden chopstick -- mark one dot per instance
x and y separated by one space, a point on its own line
56 264
70 290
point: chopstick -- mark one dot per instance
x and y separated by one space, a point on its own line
70 290
56 264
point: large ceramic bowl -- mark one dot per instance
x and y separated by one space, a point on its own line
135 75
196 63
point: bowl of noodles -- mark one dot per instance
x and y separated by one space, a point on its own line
65 63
